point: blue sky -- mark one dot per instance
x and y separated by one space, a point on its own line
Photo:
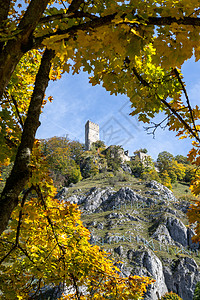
76 101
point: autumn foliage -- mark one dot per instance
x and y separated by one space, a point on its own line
42 239
46 243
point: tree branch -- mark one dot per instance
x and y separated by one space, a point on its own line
14 49
29 257
160 21
20 214
62 249
74 6
76 286
7 254
16 107
87 26
20 172
19 224
4 9
17 111
187 99
155 126
77 14
40 196
174 112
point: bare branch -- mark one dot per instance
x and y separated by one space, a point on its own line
16 107
63 4
155 126
29 257
174 112
194 12
187 99
76 286
9 252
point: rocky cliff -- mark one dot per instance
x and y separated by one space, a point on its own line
146 228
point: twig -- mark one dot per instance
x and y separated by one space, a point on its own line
17 111
174 112
38 288
76 287
20 214
187 98
18 225
156 125
194 12
16 107
39 193
27 255
63 4
11 250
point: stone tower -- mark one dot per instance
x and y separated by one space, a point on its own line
91 134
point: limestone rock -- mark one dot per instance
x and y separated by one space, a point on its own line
76 199
132 218
119 250
163 189
177 230
124 195
146 263
191 244
95 198
62 194
182 277
162 235
115 215
100 226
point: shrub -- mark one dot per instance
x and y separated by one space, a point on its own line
197 292
170 296
112 181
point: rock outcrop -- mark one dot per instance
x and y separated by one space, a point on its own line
146 263
181 277
128 217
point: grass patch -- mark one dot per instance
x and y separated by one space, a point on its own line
182 191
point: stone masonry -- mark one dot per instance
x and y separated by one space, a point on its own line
91 134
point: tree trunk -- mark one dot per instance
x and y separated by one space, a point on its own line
15 48
20 173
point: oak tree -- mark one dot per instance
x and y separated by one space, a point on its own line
40 40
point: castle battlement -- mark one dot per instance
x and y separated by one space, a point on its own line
92 125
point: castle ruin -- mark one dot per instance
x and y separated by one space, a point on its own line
91 134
